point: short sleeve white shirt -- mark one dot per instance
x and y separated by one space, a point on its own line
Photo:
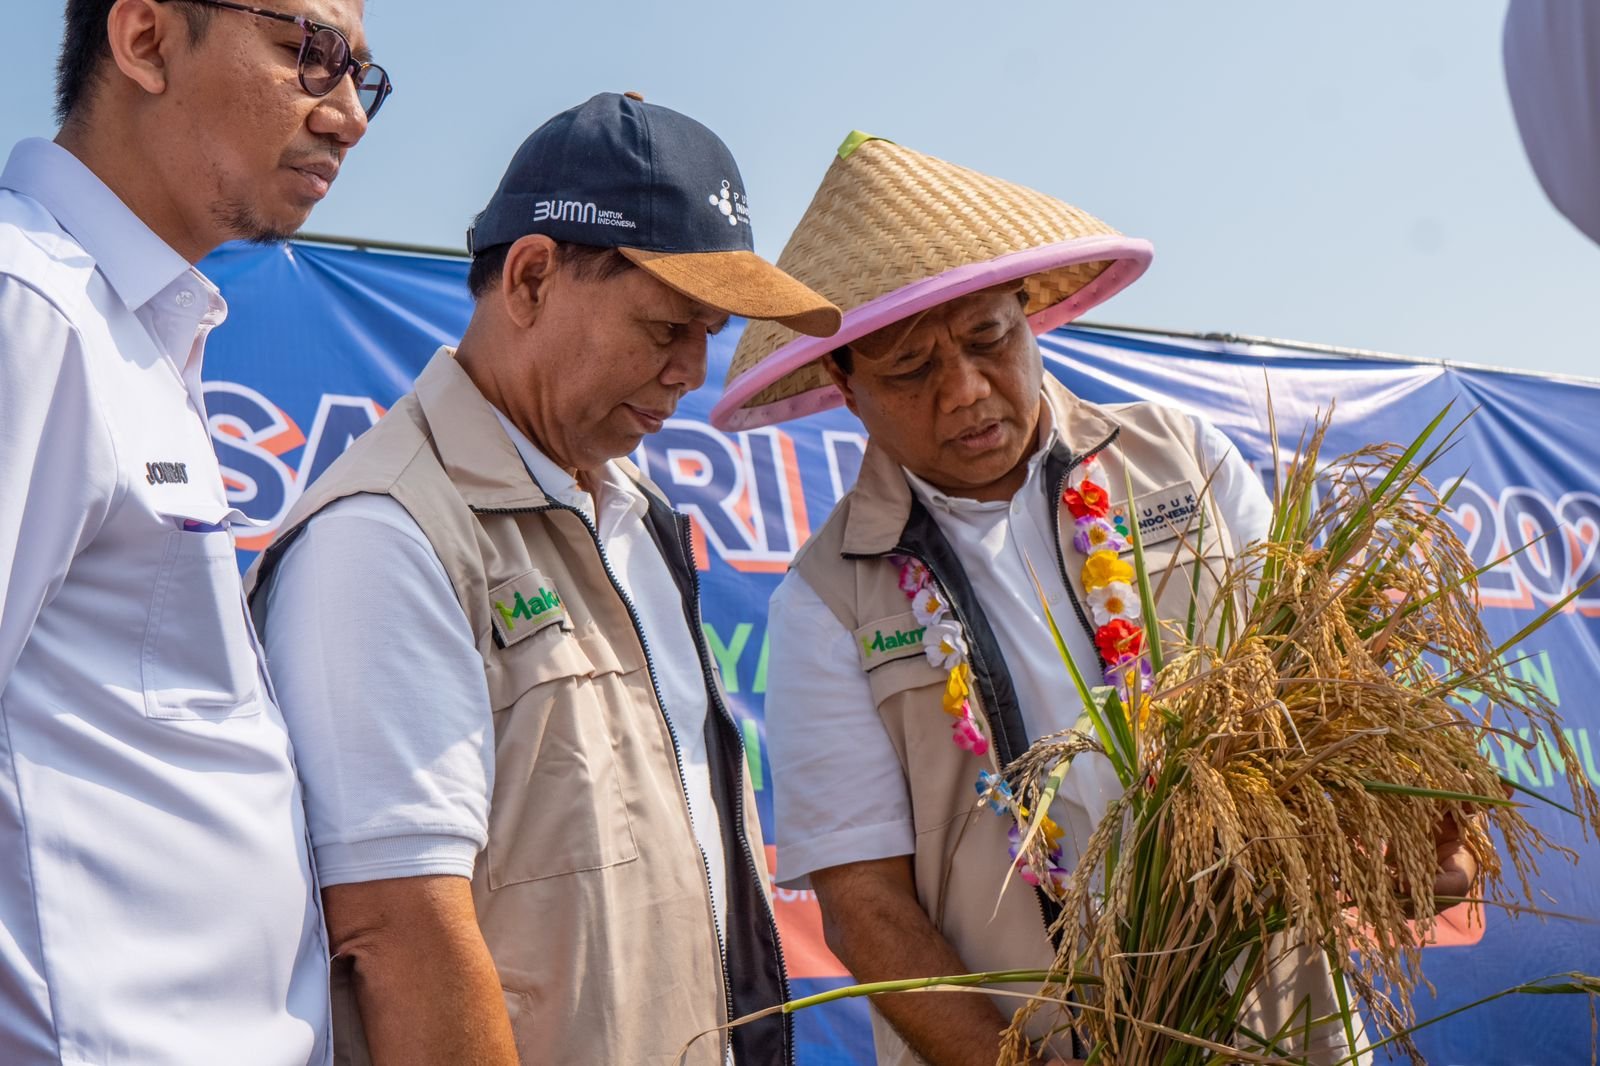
840 795
157 896
397 735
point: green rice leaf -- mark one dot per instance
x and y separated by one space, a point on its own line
1542 798
1346 1014
1120 719
1396 472
1538 623
1436 793
1444 590
1194 582
1147 603
1575 984
1125 770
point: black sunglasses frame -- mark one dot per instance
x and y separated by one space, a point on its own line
356 69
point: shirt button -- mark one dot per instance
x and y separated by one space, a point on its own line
1016 506
185 297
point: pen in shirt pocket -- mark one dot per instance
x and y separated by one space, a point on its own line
231 519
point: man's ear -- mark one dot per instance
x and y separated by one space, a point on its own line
841 381
141 34
524 281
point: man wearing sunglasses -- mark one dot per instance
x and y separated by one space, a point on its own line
157 896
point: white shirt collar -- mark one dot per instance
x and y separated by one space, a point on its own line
137 263
943 501
616 490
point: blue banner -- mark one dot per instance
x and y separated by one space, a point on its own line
320 341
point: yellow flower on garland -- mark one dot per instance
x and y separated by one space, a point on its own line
1105 568
956 690
1051 831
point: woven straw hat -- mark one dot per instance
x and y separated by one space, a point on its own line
893 232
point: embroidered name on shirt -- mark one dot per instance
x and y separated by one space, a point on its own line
523 606
166 473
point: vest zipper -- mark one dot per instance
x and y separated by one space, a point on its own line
715 696
1055 534
672 733
1073 462
1083 618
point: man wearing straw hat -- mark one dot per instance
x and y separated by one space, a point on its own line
974 457
527 797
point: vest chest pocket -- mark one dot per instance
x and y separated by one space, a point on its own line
1174 562
909 695
908 675
907 691
557 807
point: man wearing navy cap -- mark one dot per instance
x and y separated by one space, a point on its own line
527 797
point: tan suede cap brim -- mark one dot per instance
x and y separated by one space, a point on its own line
741 283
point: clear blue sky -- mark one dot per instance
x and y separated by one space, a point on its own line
1346 173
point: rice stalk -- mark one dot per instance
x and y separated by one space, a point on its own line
1309 734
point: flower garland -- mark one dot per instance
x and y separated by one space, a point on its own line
1114 604
946 648
994 791
1119 639
1101 535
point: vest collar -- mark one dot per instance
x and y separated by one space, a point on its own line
880 503
482 461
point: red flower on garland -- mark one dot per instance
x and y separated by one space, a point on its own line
1088 500
1118 639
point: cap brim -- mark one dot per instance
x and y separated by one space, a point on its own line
741 283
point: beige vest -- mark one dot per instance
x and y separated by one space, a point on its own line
592 893
961 857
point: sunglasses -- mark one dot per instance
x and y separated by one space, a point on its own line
324 57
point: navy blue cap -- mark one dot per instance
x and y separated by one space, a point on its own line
620 173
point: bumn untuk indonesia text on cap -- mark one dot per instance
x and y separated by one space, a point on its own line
663 190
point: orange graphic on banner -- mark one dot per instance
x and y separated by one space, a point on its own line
1458 927
800 927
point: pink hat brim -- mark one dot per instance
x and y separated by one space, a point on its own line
1130 257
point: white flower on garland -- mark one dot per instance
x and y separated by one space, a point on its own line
929 605
1116 600
944 645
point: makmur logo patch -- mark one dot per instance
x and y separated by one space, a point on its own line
523 606
890 639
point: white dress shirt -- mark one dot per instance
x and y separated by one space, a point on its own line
839 794
370 716
156 896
